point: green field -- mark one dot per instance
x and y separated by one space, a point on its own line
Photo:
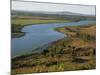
35 21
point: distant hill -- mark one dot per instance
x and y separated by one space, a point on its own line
64 15
55 13
71 13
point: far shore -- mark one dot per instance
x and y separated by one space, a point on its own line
17 25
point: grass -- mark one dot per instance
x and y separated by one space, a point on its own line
36 21
16 31
19 23
68 54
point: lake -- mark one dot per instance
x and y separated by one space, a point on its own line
39 35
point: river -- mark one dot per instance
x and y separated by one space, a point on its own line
39 35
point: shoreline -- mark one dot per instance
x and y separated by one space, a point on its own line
55 29
75 53
20 34
22 26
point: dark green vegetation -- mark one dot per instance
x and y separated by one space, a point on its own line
75 52
16 31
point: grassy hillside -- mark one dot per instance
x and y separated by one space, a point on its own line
75 52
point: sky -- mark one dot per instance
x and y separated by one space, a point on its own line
51 7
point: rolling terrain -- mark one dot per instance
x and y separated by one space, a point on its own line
23 18
75 52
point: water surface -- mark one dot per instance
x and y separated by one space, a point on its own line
39 35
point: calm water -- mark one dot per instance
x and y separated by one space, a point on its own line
39 35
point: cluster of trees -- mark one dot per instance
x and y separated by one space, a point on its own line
16 31
16 28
